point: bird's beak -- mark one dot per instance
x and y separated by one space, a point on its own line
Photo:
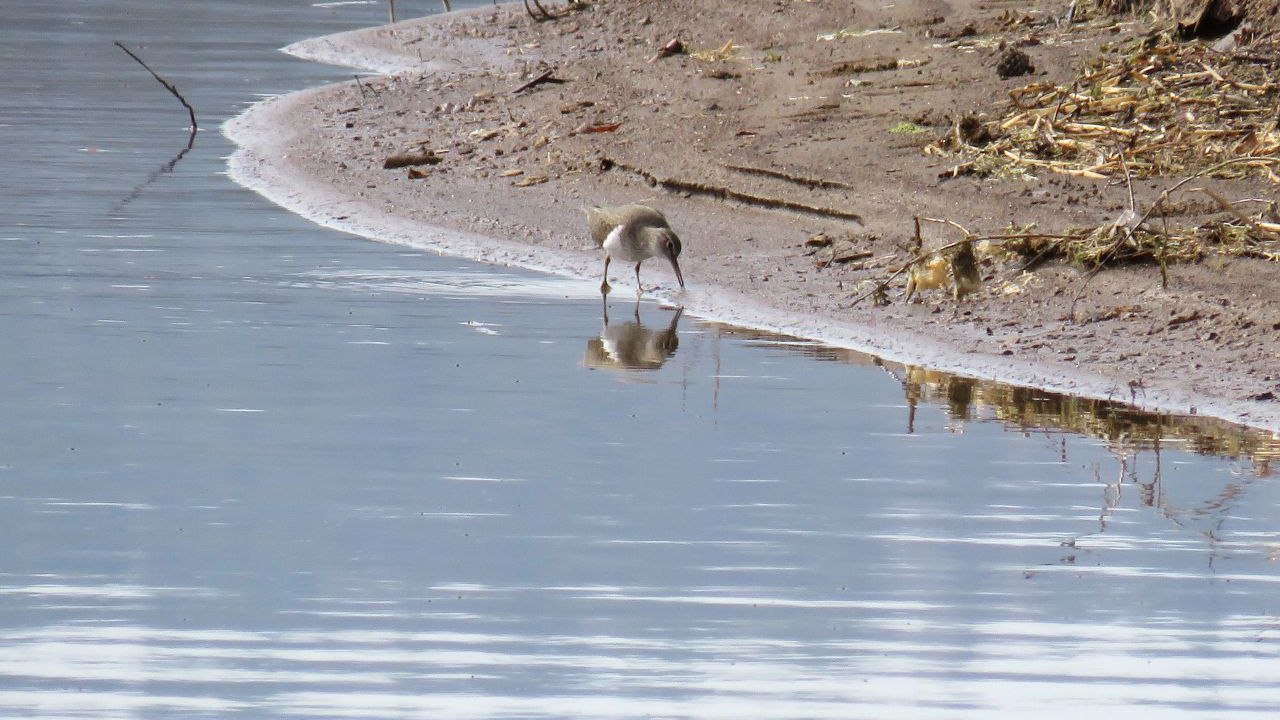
676 266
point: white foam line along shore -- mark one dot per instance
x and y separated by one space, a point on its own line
263 132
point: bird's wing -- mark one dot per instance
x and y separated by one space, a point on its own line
645 216
600 221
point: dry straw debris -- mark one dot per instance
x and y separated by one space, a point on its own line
1164 108
1160 108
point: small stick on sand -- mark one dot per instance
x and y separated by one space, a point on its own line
167 86
547 76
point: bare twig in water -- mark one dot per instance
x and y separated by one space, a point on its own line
191 134
167 86
155 175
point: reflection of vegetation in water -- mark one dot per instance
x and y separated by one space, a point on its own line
1122 427
1135 440
1126 432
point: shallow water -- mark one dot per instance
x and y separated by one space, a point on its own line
256 468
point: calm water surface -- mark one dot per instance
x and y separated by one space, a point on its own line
253 468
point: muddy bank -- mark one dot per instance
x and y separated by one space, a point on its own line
809 117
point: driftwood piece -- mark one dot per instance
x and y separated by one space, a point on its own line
828 251
673 47
414 157
547 76
811 182
596 128
695 187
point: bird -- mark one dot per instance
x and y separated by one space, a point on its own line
957 270
965 275
633 233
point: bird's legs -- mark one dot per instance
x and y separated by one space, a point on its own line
604 284
639 288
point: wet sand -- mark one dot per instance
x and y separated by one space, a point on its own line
320 153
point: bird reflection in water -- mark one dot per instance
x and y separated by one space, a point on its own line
630 345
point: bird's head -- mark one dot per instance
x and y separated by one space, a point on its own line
668 245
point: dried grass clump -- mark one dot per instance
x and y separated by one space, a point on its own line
1165 108
1122 7
1153 241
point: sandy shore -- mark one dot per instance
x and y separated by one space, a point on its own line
320 152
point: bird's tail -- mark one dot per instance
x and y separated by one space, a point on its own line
599 224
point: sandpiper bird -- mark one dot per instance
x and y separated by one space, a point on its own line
633 233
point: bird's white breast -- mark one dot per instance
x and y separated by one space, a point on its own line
624 246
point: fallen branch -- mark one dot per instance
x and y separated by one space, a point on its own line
546 77
425 156
724 193
1128 239
1132 225
673 47
952 223
600 128
797 179
167 86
